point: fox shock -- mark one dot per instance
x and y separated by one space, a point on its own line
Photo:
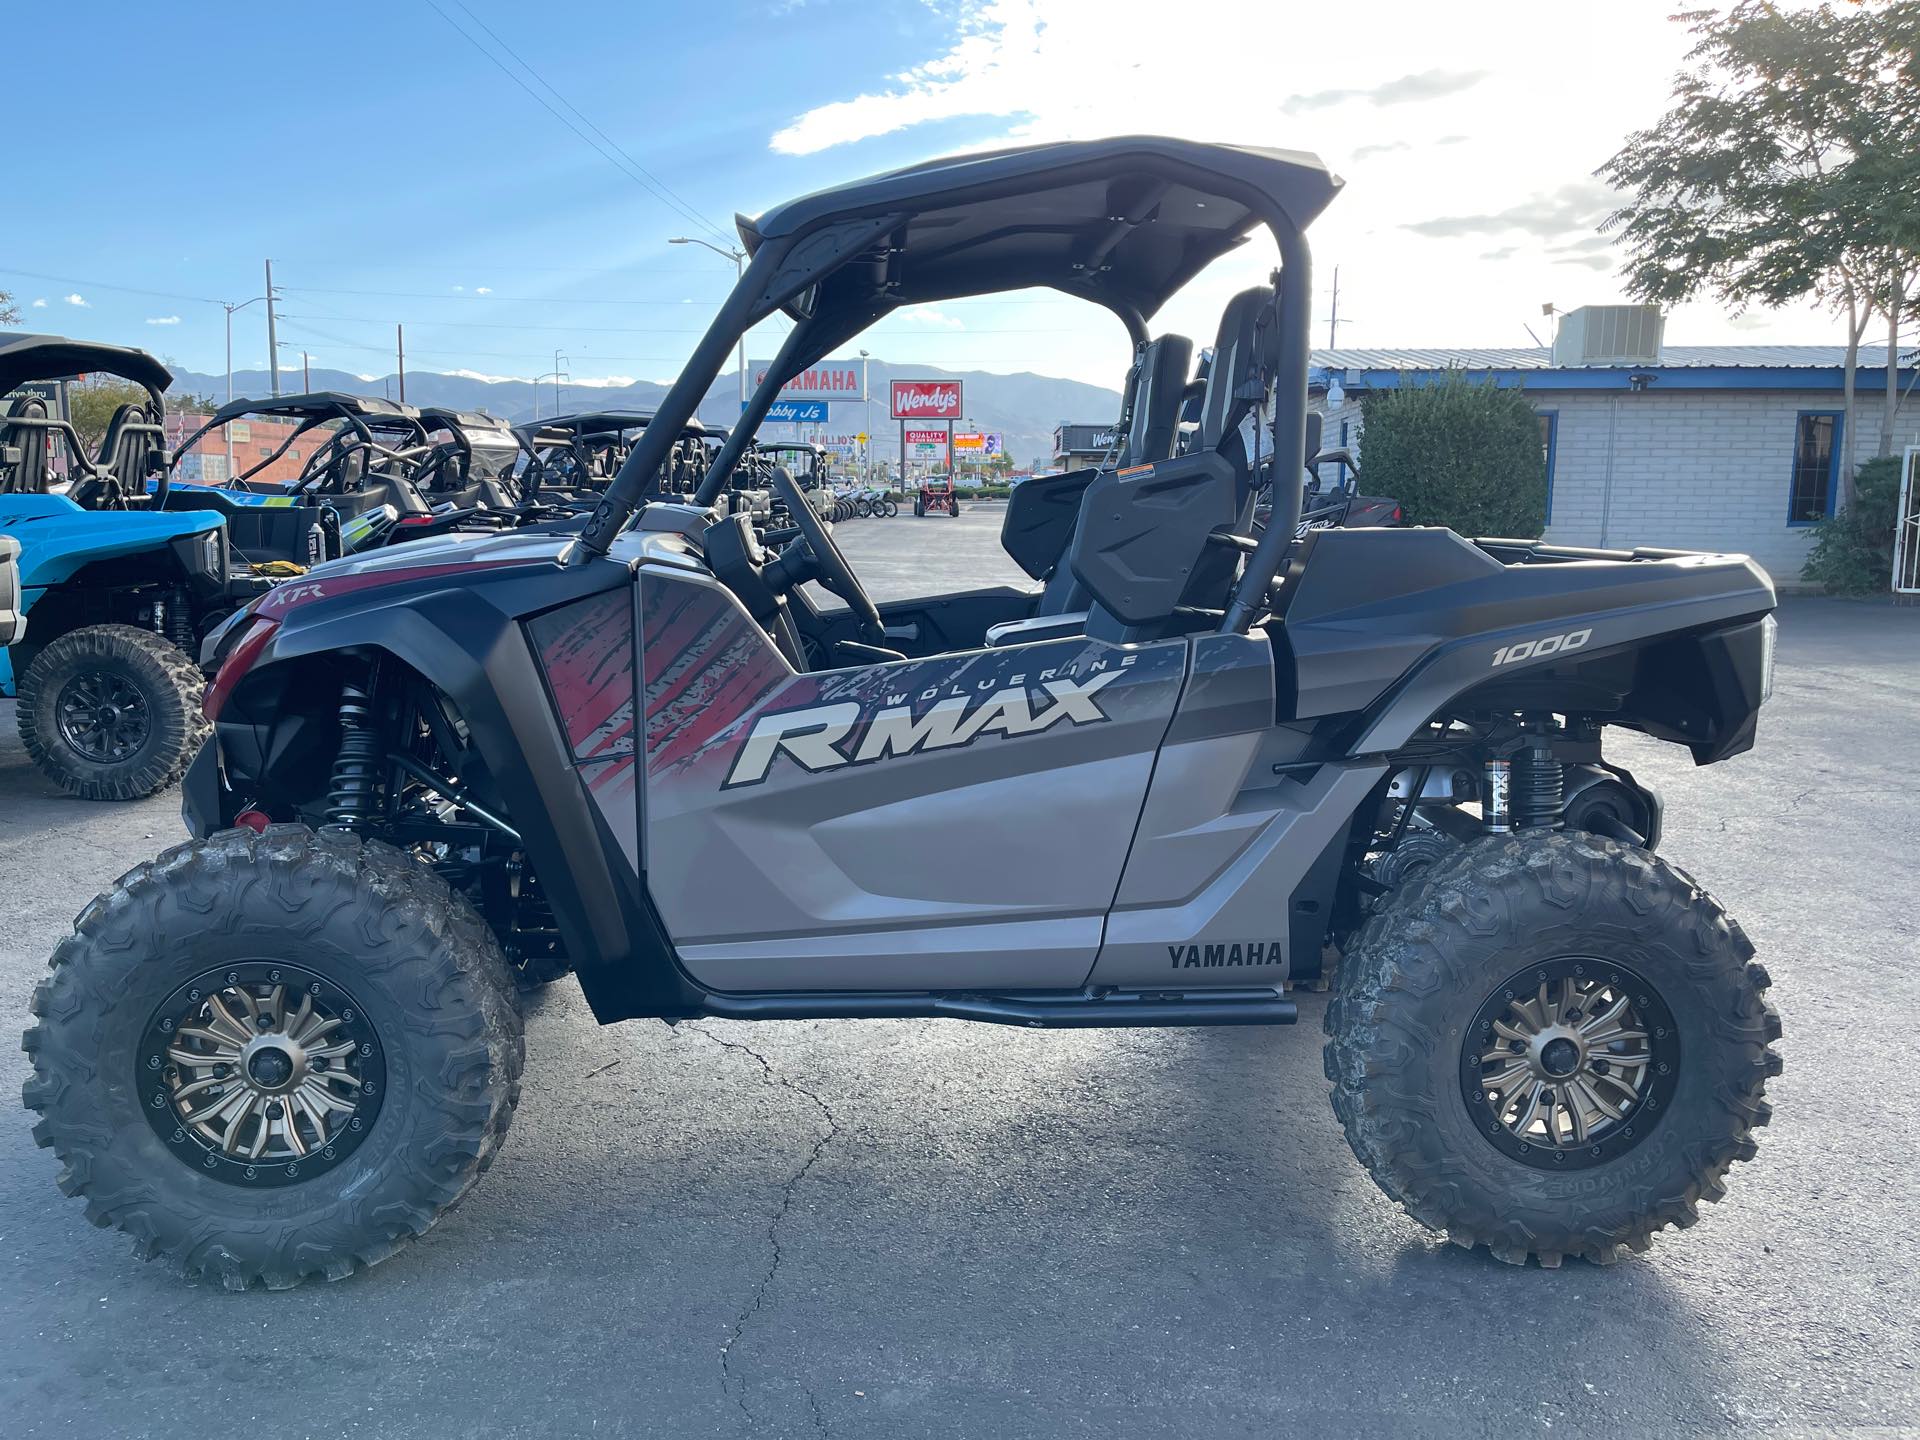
352 794
1524 790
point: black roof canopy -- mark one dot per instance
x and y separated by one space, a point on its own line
555 428
53 357
1124 222
317 404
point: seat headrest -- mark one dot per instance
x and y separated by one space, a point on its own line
1245 355
1155 417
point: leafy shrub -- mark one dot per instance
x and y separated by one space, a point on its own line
1853 552
1457 453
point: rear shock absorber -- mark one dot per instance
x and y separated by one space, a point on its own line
1538 790
352 794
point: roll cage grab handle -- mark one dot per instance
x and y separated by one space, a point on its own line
1294 321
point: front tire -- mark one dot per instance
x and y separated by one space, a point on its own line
112 712
275 1056
1551 1045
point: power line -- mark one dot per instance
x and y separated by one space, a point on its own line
103 285
608 151
556 327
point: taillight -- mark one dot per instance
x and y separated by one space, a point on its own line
1397 515
234 667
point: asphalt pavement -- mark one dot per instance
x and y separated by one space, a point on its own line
927 1228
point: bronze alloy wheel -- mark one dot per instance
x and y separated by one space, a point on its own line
261 1074
1570 1062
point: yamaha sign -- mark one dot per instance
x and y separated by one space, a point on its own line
829 380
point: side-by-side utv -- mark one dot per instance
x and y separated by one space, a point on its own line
336 468
114 592
1168 778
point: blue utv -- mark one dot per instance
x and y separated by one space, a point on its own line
114 591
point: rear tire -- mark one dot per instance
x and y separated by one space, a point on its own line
1432 974
435 1060
112 712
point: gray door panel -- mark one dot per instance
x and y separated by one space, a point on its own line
1223 841
948 823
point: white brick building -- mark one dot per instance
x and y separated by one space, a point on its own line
1724 447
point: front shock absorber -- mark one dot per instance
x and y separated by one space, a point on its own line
179 621
353 794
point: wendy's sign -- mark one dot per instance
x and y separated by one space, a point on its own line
924 399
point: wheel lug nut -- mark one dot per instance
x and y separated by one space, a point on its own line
1516 1046
1600 1067
265 1022
220 1072
1574 1014
276 1109
319 1063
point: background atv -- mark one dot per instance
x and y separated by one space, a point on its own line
120 592
1164 779
937 496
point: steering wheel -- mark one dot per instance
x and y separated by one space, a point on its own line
829 565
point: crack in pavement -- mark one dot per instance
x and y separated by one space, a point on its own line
730 1382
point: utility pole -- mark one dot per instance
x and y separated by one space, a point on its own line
400 346
273 337
556 382
306 374
866 395
1333 321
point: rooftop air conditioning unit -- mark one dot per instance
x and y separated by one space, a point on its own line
1609 335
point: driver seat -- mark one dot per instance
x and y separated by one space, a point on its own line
134 436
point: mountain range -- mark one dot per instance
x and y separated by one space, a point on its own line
1024 407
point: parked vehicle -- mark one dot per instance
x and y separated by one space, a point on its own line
13 624
1161 784
112 591
341 470
937 496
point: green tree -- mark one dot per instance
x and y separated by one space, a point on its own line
1784 169
91 403
1457 453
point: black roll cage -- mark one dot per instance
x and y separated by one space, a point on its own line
788 270
317 411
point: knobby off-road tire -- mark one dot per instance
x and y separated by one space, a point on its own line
426 993
1484 924
108 663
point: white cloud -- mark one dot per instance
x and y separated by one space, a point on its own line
489 379
1462 217
603 382
163 320
458 288
933 319
483 289
79 300
40 304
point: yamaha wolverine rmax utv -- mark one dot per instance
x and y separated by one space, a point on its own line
1165 779
119 591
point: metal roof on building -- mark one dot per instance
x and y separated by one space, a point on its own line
1672 357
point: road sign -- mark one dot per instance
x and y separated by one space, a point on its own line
862 438
829 380
924 399
795 412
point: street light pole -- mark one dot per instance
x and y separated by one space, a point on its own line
739 258
230 309
866 394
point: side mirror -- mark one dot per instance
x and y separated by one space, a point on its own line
1314 426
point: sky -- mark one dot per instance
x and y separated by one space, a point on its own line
507 180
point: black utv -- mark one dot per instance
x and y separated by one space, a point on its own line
1168 778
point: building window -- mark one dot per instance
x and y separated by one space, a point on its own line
1549 439
1343 434
1816 467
